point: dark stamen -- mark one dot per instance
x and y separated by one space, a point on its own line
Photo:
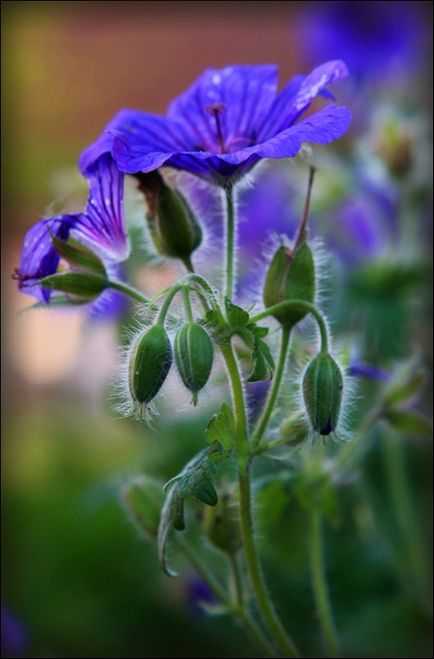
215 110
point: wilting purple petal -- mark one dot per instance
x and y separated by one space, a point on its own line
102 224
39 257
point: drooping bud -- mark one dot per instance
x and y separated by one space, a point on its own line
82 286
290 276
322 392
173 225
222 525
149 363
194 354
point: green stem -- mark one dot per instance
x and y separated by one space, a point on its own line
269 446
265 605
319 586
128 290
229 243
167 302
239 612
304 305
274 389
236 578
188 263
187 304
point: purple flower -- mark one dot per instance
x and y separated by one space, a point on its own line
198 593
14 635
375 39
101 227
226 122
369 371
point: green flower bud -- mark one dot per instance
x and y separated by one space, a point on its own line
294 428
78 256
290 276
174 228
149 363
322 392
194 354
222 525
144 499
83 286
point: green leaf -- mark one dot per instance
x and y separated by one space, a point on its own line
412 423
406 387
196 480
221 428
144 500
264 362
77 254
237 317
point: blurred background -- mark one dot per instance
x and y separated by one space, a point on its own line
77 580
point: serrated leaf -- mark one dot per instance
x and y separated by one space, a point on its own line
264 362
196 480
221 428
412 423
237 317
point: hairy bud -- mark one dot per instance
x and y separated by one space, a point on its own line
290 276
294 428
194 354
322 392
149 363
82 286
174 227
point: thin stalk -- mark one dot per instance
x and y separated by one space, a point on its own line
319 586
240 613
274 389
128 290
229 243
188 264
167 302
237 578
298 303
187 304
266 608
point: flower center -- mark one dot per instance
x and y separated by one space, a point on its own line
215 110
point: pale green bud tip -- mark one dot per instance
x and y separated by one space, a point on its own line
322 393
149 363
194 354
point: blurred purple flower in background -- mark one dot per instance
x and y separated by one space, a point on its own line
14 634
376 39
226 122
198 593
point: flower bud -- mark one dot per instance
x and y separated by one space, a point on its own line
78 256
149 364
144 499
294 428
222 525
174 228
322 392
290 276
194 354
83 286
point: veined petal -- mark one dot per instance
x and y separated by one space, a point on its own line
39 257
102 224
243 95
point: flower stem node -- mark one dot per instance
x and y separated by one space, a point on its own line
149 363
194 355
290 276
322 392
